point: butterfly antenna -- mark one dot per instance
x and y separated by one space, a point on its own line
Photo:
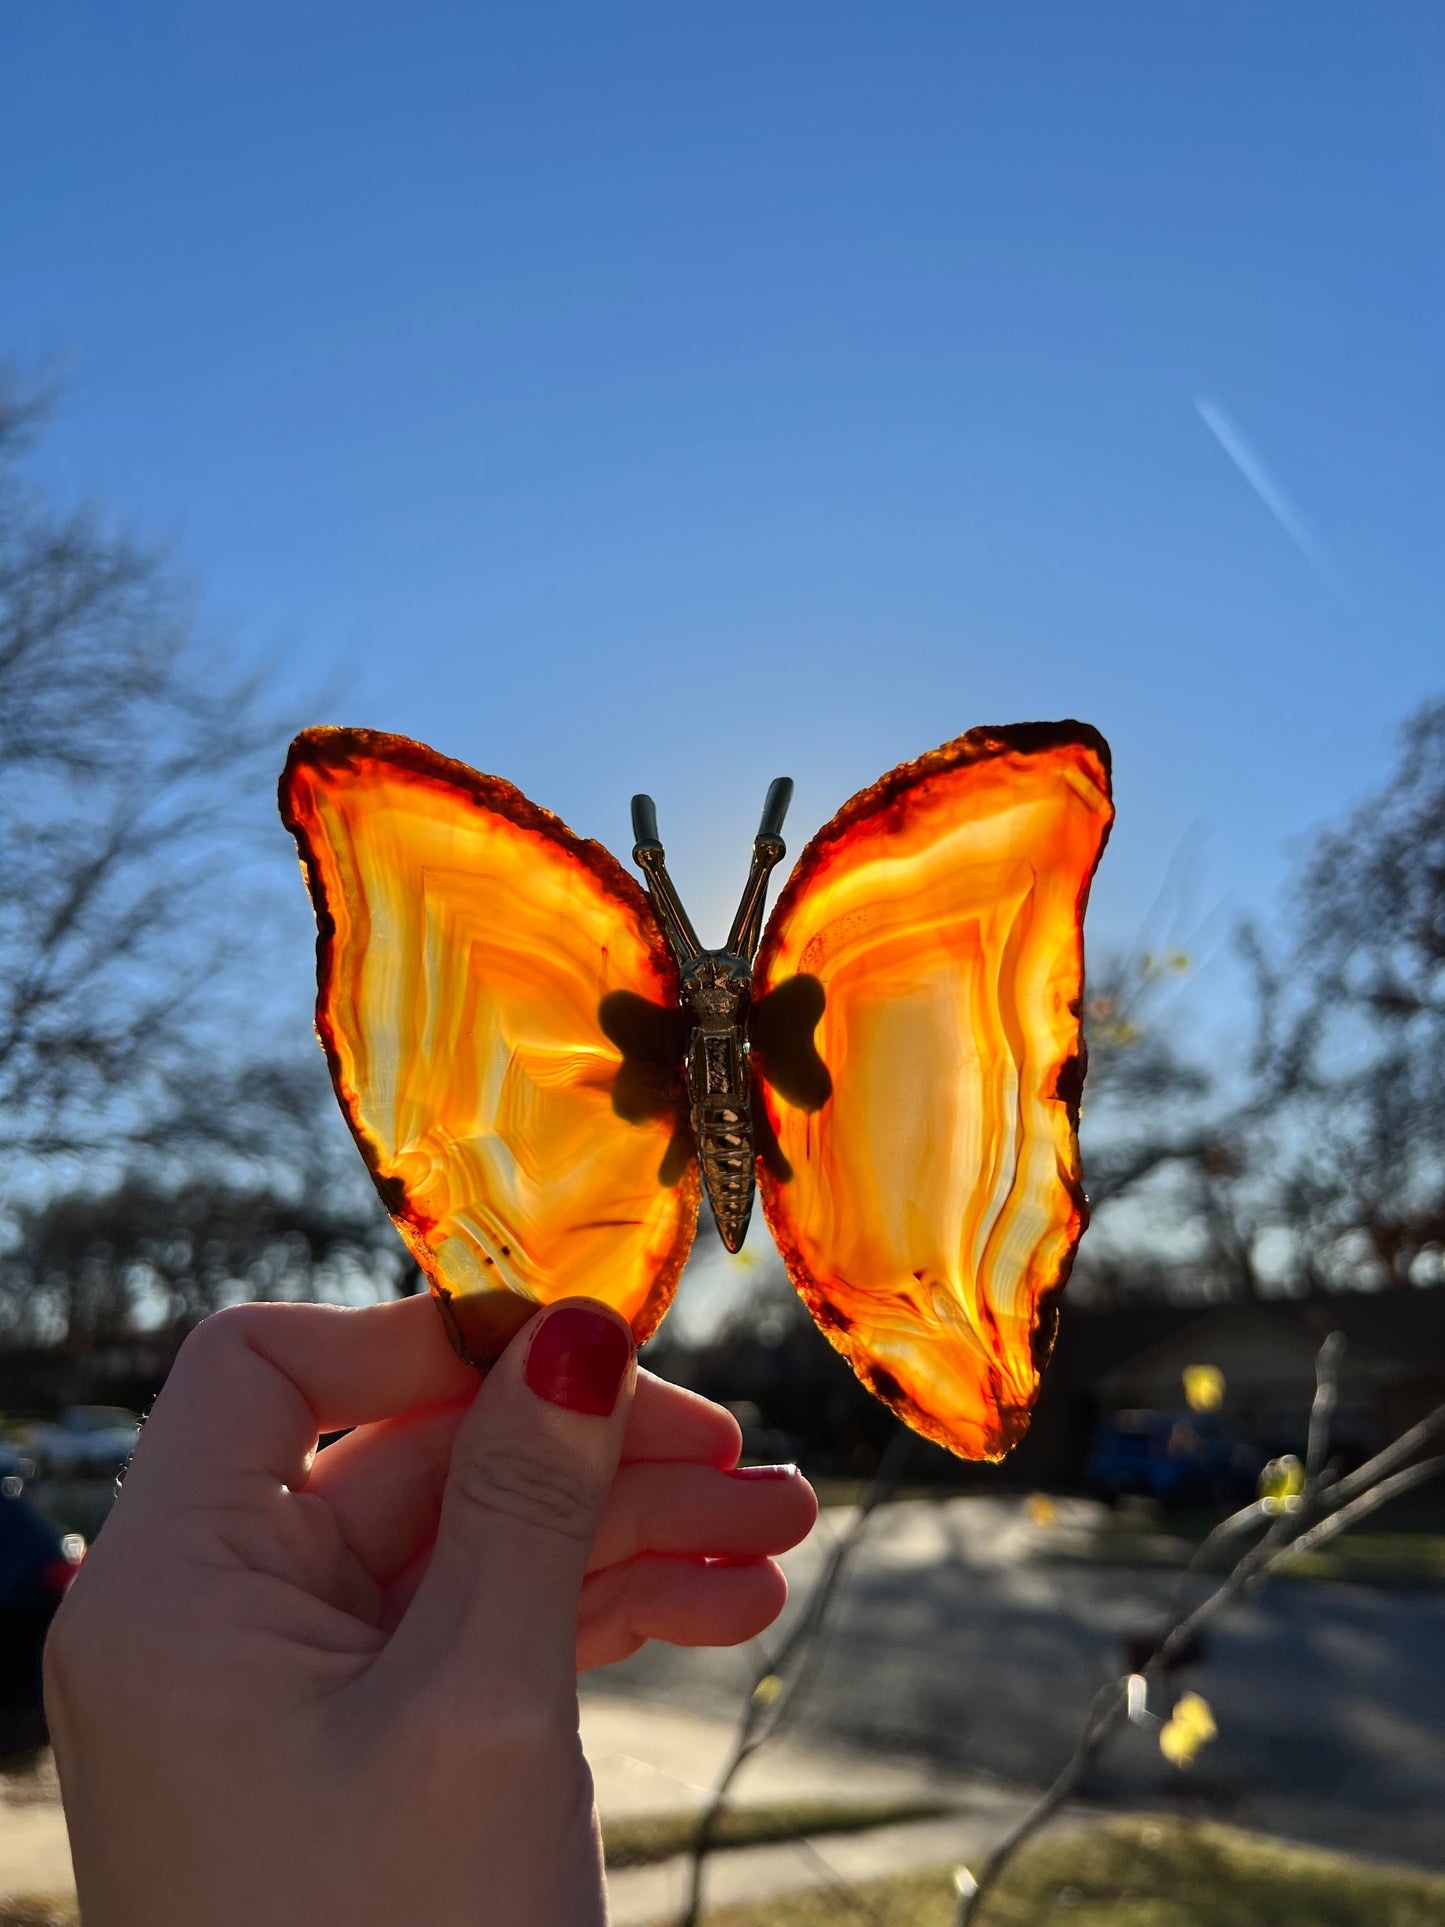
768 852
650 857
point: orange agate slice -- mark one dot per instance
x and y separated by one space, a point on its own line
923 1180
499 1012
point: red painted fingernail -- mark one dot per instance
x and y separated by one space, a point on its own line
578 1358
763 1472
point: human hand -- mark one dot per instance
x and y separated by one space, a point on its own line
291 1687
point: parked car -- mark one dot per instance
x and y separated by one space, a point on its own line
37 1563
1178 1458
86 1440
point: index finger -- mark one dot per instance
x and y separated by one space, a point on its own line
254 1386
384 1482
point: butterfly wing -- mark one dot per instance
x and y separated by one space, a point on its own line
919 1063
499 1012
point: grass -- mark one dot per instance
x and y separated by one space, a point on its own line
1369 1557
1407 1549
1366 1558
1136 1872
835 1491
1378 1558
641 1840
1141 1872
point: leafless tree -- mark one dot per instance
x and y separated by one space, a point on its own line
1354 1043
1329 1143
129 759
85 1270
160 1150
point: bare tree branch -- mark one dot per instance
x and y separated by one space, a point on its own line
127 763
783 1678
1290 1533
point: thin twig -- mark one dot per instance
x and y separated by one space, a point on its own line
851 1896
1249 1515
787 1672
1104 1716
1358 1508
1403 1449
1322 1409
1325 1508
1343 1504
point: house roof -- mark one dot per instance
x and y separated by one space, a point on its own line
1391 1336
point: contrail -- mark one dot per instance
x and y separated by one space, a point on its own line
1254 471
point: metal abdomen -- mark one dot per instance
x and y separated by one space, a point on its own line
717 1083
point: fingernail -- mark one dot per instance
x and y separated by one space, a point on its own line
763 1472
578 1359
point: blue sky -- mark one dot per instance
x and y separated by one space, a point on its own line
666 396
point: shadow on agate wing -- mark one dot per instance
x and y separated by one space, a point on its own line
935 1199
481 1325
648 1083
780 1030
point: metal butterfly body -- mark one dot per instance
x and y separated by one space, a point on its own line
717 993
543 1066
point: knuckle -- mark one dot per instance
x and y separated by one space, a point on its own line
222 1331
503 1481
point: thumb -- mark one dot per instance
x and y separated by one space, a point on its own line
531 1469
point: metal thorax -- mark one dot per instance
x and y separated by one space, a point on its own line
716 990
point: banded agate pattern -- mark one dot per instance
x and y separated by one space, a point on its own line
466 942
933 1204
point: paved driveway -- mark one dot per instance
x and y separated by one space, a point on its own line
956 1638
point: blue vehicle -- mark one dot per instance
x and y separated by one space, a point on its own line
1178 1458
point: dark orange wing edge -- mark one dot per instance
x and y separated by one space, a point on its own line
890 793
337 748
